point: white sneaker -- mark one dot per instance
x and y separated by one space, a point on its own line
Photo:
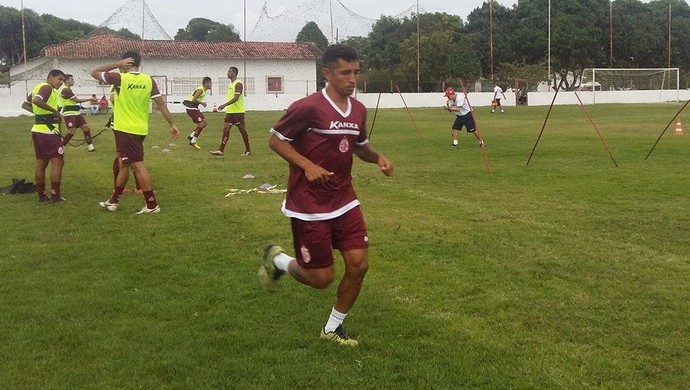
482 144
107 205
147 210
90 147
245 154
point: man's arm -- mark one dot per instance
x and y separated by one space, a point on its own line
313 172
367 153
234 99
37 100
163 108
98 71
26 104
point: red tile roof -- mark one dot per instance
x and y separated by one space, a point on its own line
112 46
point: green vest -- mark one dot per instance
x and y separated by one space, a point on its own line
131 113
39 112
201 97
67 106
238 106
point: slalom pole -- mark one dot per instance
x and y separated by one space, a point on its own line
408 112
666 128
545 120
375 112
601 136
476 126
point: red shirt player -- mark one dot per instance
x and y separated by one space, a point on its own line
318 136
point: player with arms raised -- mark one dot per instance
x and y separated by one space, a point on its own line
318 136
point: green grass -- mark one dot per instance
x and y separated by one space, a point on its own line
567 273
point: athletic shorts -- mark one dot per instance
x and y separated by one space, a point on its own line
464 120
75 121
498 102
47 146
196 115
234 119
314 240
130 147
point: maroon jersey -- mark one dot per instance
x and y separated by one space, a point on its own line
321 132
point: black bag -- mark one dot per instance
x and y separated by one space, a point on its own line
18 186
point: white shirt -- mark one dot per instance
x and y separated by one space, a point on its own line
461 102
498 92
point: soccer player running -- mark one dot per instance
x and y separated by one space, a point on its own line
70 108
461 108
234 113
45 134
192 104
317 136
498 93
131 125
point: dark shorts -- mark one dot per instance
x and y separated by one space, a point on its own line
498 102
234 119
196 115
75 121
47 146
130 147
314 240
464 120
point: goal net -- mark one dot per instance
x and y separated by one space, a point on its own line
630 79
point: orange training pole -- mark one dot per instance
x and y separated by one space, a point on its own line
408 112
601 136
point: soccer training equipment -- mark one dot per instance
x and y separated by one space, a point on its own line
339 335
108 206
665 81
268 273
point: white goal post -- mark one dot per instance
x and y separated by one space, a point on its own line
665 81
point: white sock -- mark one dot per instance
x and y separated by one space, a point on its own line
282 261
455 142
193 139
336 318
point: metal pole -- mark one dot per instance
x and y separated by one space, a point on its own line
418 88
331 6
244 71
491 38
611 33
143 11
669 35
26 80
549 55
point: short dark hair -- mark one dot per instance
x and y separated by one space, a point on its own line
336 52
68 76
56 72
206 80
134 55
234 69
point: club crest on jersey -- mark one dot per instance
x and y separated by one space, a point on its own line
344 145
306 256
337 125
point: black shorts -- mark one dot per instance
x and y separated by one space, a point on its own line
464 120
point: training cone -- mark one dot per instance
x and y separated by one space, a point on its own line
679 128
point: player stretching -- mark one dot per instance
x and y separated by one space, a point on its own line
72 114
317 137
234 113
192 105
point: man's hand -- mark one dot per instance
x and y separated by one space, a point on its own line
221 107
385 165
316 174
174 131
203 104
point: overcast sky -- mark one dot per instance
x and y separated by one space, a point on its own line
174 14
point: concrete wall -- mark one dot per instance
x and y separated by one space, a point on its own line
10 100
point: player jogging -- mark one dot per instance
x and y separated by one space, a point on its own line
70 109
45 135
318 136
131 125
461 108
234 113
192 104
498 93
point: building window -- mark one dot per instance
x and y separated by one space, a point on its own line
274 84
224 82
184 85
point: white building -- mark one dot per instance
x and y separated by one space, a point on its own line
269 70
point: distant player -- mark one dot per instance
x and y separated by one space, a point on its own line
498 93
71 112
45 134
234 113
461 108
318 136
192 104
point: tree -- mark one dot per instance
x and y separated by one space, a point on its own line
312 33
206 30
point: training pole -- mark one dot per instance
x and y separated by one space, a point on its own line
408 112
666 128
375 112
545 120
476 128
601 136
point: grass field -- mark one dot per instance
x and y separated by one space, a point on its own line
567 273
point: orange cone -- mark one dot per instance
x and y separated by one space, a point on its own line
679 128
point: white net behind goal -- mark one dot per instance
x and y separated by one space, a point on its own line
612 79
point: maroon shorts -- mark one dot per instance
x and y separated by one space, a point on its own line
196 115
234 119
75 121
314 240
47 146
130 147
